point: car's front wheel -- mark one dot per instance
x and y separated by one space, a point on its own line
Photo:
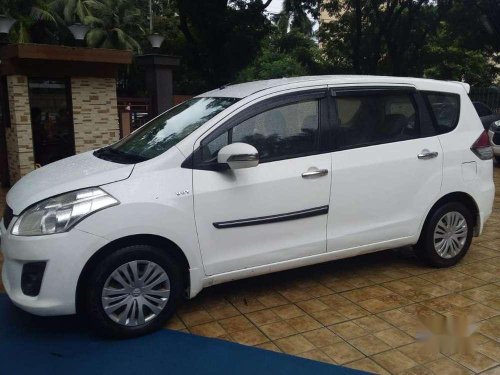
446 236
133 291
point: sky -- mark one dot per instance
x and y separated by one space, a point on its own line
275 6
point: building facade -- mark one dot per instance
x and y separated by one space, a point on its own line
55 101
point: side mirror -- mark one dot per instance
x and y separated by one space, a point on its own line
238 156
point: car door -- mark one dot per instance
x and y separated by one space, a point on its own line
386 167
276 211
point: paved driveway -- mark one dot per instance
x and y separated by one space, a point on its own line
364 312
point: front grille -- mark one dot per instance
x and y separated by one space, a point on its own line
8 215
496 139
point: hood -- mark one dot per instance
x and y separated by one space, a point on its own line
73 173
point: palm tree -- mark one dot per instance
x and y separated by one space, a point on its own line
113 22
27 14
70 11
294 16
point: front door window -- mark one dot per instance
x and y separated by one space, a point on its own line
284 132
51 120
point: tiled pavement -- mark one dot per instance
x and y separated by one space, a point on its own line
363 312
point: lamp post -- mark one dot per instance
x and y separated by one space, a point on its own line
79 31
158 70
156 40
6 24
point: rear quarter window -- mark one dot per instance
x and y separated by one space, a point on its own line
445 110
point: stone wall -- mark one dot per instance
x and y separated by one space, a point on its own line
95 113
19 137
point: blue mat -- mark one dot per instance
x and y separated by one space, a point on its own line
62 345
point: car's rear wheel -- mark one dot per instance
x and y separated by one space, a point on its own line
133 291
446 236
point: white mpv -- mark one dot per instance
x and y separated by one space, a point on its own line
245 180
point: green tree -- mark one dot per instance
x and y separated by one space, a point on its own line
488 32
380 36
405 27
70 11
464 48
443 39
272 64
450 62
295 16
352 43
220 38
114 23
289 50
286 55
30 16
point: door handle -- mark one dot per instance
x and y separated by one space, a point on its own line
426 154
315 173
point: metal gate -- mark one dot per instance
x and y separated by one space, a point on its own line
488 95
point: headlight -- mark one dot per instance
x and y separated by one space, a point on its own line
61 213
495 125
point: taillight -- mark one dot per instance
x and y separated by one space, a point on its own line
482 147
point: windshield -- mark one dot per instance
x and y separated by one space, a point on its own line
165 131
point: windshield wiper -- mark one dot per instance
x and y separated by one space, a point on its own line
112 154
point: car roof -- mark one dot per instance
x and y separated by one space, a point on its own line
242 90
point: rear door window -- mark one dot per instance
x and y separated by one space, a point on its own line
366 119
445 109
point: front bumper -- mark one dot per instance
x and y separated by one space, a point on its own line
65 255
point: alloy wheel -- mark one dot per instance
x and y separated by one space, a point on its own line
135 293
450 234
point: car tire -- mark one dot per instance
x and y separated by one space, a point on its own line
128 274
446 236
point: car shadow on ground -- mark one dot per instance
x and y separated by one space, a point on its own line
367 263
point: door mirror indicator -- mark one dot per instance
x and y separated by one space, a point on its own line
238 156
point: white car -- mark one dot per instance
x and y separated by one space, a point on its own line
494 134
245 180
